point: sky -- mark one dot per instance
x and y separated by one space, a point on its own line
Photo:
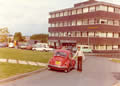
31 16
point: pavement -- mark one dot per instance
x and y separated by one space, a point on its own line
97 71
23 62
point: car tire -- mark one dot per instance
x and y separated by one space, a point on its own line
66 71
49 68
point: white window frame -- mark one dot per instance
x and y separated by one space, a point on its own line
85 10
110 9
92 9
79 11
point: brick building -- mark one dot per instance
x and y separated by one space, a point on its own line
93 23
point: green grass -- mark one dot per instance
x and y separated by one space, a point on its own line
7 69
116 60
27 55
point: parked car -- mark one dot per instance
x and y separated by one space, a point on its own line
23 45
62 60
11 45
85 48
42 47
3 44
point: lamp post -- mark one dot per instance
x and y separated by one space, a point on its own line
88 40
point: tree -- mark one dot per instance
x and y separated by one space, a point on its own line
18 36
42 37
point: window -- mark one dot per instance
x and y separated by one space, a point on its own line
73 34
110 22
109 47
91 21
117 10
78 34
91 34
69 12
65 23
61 34
56 34
92 9
116 22
84 34
102 47
65 13
52 25
79 22
109 34
110 9
116 35
101 7
73 23
73 12
115 47
85 10
85 21
103 34
52 15
57 14
79 11
69 34
97 47
97 34
97 21
65 34
69 23
57 24
61 24
61 13
103 21
50 34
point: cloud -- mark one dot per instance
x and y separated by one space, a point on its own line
31 16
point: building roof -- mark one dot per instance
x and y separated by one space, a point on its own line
87 3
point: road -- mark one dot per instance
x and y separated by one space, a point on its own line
97 71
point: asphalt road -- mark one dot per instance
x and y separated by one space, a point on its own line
96 72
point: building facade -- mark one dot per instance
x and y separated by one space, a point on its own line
93 23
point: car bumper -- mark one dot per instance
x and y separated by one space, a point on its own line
57 67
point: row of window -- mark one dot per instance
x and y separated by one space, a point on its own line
84 34
95 47
86 10
86 22
105 47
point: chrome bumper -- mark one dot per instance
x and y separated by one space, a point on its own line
57 66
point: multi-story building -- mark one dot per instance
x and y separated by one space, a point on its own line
93 23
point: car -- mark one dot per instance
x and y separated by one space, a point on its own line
85 48
23 45
62 60
40 47
3 45
11 45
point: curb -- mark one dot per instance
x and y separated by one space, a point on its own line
22 75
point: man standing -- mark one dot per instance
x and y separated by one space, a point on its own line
80 57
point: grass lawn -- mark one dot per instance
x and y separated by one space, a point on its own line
116 60
7 69
28 55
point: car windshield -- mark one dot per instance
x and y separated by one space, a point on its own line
62 54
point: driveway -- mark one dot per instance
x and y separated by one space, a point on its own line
97 71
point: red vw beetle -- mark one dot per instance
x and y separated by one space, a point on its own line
62 60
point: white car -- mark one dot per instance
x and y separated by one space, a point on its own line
11 45
39 48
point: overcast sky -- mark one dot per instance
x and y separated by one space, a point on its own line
31 16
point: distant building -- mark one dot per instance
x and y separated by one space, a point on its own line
93 23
